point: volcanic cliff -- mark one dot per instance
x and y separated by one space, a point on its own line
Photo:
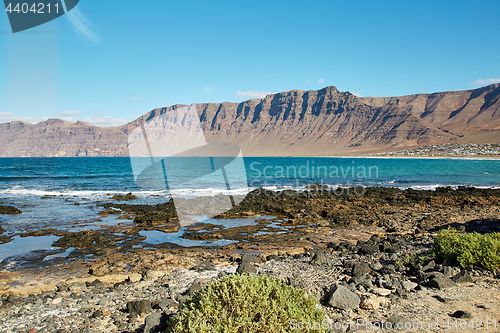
291 123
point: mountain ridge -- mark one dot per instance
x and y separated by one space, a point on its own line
291 123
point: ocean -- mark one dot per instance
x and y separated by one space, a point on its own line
62 193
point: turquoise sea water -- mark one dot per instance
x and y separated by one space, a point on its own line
62 193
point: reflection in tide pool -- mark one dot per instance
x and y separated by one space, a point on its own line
60 255
24 245
159 237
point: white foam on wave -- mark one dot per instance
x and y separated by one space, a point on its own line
433 187
19 191
100 194
193 192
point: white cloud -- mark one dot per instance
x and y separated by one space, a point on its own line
66 113
7 117
38 77
105 121
308 80
81 23
321 80
136 98
252 94
357 95
209 89
482 82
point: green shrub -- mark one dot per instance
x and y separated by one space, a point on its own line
471 248
241 304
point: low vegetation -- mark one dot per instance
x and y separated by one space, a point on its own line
241 303
469 248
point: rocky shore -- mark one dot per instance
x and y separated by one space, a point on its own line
366 256
390 279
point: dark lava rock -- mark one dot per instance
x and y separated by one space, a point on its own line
389 269
61 287
97 314
461 314
358 279
340 246
361 269
318 258
272 257
368 248
440 281
376 266
147 214
9 210
195 287
155 323
348 263
448 271
430 266
82 239
166 303
462 277
126 197
96 283
138 307
246 267
392 239
342 298
248 257
367 284
181 299
388 247
401 292
204 266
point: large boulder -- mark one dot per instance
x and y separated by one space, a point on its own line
138 307
440 281
361 268
342 298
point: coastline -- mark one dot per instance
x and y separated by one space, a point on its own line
327 235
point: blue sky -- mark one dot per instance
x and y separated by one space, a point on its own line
108 62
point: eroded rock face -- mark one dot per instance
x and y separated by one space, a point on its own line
297 122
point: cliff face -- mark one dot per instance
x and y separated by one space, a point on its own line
323 122
58 138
